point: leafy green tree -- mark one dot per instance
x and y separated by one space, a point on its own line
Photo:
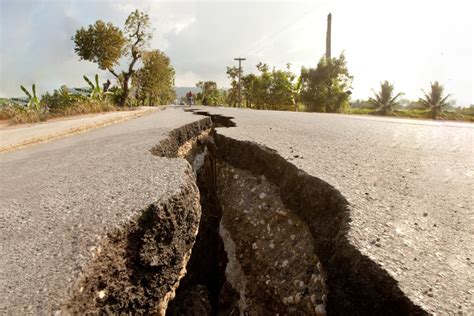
232 95
385 100
249 89
154 82
281 94
271 89
210 94
262 86
434 100
105 44
296 93
326 88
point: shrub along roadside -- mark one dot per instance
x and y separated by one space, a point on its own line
18 114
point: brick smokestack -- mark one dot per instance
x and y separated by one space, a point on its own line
328 38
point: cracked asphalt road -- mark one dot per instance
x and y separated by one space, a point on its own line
57 200
409 184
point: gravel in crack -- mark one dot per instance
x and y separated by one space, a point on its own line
272 247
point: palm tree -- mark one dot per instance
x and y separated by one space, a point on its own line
384 100
435 100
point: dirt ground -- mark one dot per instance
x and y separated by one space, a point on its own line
272 263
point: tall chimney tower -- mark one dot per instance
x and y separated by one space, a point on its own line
328 38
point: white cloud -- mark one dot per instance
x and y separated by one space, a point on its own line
187 79
180 25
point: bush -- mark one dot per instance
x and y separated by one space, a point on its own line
87 106
60 100
19 114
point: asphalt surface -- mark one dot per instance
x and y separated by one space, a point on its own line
16 136
409 184
58 200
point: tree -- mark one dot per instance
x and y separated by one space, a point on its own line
249 85
296 93
326 88
232 74
434 100
105 44
210 94
282 89
272 90
384 100
261 95
154 82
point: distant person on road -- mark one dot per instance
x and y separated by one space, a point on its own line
189 96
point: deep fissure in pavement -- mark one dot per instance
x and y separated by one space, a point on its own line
355 284
203 291
256 270
271 239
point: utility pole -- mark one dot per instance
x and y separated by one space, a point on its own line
328 38
240 59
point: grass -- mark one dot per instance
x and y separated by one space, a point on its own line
87 107
460 115
18 114
359 111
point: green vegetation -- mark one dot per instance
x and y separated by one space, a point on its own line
107 46
433 105
154 82
434 100
146 77
33 101
384 100
60 100
270 89
210 94
455 114
96 90
326 88
60 103
232 95
19 114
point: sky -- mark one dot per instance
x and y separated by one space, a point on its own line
407 42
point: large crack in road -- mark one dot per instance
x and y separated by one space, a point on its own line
271 240
256 189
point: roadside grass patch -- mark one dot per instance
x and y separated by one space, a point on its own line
460 115
18 114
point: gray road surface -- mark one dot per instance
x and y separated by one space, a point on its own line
57 200
410 184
